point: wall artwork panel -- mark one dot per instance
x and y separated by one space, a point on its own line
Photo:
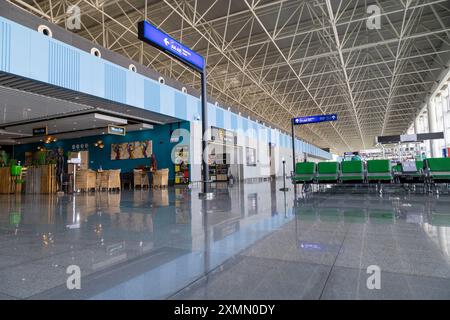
131 150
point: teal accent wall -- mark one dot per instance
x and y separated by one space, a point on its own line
160 136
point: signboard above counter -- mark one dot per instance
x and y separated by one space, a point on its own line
41 131
117 130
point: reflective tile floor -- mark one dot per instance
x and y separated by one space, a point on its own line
251 242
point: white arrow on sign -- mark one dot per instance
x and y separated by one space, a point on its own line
166 41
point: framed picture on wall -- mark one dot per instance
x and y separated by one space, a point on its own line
131 150
250 156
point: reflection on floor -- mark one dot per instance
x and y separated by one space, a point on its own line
251 242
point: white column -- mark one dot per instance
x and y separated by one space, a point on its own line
417 125
445 108
432 124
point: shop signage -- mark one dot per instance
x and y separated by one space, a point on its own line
41 131
223 136
408 137
315 119
117 130
155 37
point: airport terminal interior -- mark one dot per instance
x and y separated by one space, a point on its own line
236 150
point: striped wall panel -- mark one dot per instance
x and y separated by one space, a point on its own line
115 83
64 66
5 46
151 96
181 105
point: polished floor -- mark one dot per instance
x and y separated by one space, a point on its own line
251 242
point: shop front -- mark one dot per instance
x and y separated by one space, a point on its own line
107 161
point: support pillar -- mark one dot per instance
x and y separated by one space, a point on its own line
432 126
417 125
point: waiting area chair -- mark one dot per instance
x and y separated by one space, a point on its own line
438 170
379 171
352 172
327 172
305 172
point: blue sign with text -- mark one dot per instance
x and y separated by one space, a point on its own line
155 37
314 119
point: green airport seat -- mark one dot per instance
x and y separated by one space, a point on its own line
327 172
419 165
419 175
397 168
408 176
352 171
439 169
304 172
379 171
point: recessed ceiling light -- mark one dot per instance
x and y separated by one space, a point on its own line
28 109
75 122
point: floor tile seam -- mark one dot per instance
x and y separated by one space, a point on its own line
331 268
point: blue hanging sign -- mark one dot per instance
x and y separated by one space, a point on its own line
314 119
155 37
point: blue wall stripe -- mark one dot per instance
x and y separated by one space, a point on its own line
219 117
5 46
115 83
180 105
64 66
233 120
151 96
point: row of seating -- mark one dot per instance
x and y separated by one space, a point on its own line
432 170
